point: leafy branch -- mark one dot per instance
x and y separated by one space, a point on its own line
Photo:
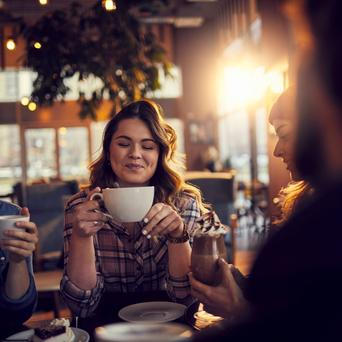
110 49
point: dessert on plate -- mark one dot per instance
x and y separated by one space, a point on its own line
58 330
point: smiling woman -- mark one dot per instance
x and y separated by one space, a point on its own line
104 256
133 153
283 118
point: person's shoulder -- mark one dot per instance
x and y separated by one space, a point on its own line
313 231
185 200
7 208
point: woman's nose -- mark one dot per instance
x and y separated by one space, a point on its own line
278 151
135 152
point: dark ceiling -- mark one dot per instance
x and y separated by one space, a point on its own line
205 9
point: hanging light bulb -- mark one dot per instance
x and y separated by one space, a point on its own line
25 101
43 2
32 106
37 45
10 44
109 5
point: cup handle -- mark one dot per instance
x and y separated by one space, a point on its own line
96 196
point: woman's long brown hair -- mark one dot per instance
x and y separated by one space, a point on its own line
168 182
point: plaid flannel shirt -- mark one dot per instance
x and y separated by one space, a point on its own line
127 263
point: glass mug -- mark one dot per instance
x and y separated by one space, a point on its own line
206 250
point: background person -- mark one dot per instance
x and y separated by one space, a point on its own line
283 118
295 284
227 299
18 295
106 257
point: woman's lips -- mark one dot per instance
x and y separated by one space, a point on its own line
132 166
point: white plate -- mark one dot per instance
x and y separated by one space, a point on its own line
80 335
143 332
152 312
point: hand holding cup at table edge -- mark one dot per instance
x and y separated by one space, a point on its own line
224 299
19 236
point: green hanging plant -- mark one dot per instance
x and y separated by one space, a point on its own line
106 48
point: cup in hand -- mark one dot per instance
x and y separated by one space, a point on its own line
127 204
9 221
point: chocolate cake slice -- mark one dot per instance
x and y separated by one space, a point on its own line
49 331
58 330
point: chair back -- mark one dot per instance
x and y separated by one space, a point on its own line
218 189
46 205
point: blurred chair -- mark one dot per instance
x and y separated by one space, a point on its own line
218 189
46 205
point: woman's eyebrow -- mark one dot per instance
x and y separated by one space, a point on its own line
148 139
123 137
128 138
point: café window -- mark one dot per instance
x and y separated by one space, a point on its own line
61 152
41 153
10 168
73 152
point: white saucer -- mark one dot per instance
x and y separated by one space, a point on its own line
143 332
152 312
80 335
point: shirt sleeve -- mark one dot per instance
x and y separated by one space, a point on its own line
178 288
81 302
18 310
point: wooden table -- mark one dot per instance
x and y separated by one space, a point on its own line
49 281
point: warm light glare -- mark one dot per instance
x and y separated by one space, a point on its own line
43 2
32 106
242 86
37 45
25 101
62 130
275 81
109 5
10 44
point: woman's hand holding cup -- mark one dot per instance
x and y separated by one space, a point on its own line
162 219
88 218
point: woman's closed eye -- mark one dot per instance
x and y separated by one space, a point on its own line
123 144
149 147
285 137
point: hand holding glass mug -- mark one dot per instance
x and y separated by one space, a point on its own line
225 298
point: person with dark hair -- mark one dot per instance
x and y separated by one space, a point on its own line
283 118
294 289
18 295
104 256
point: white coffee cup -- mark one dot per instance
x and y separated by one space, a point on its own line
127 204
9 221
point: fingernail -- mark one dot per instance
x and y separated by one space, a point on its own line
145 220
148 236
144 231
